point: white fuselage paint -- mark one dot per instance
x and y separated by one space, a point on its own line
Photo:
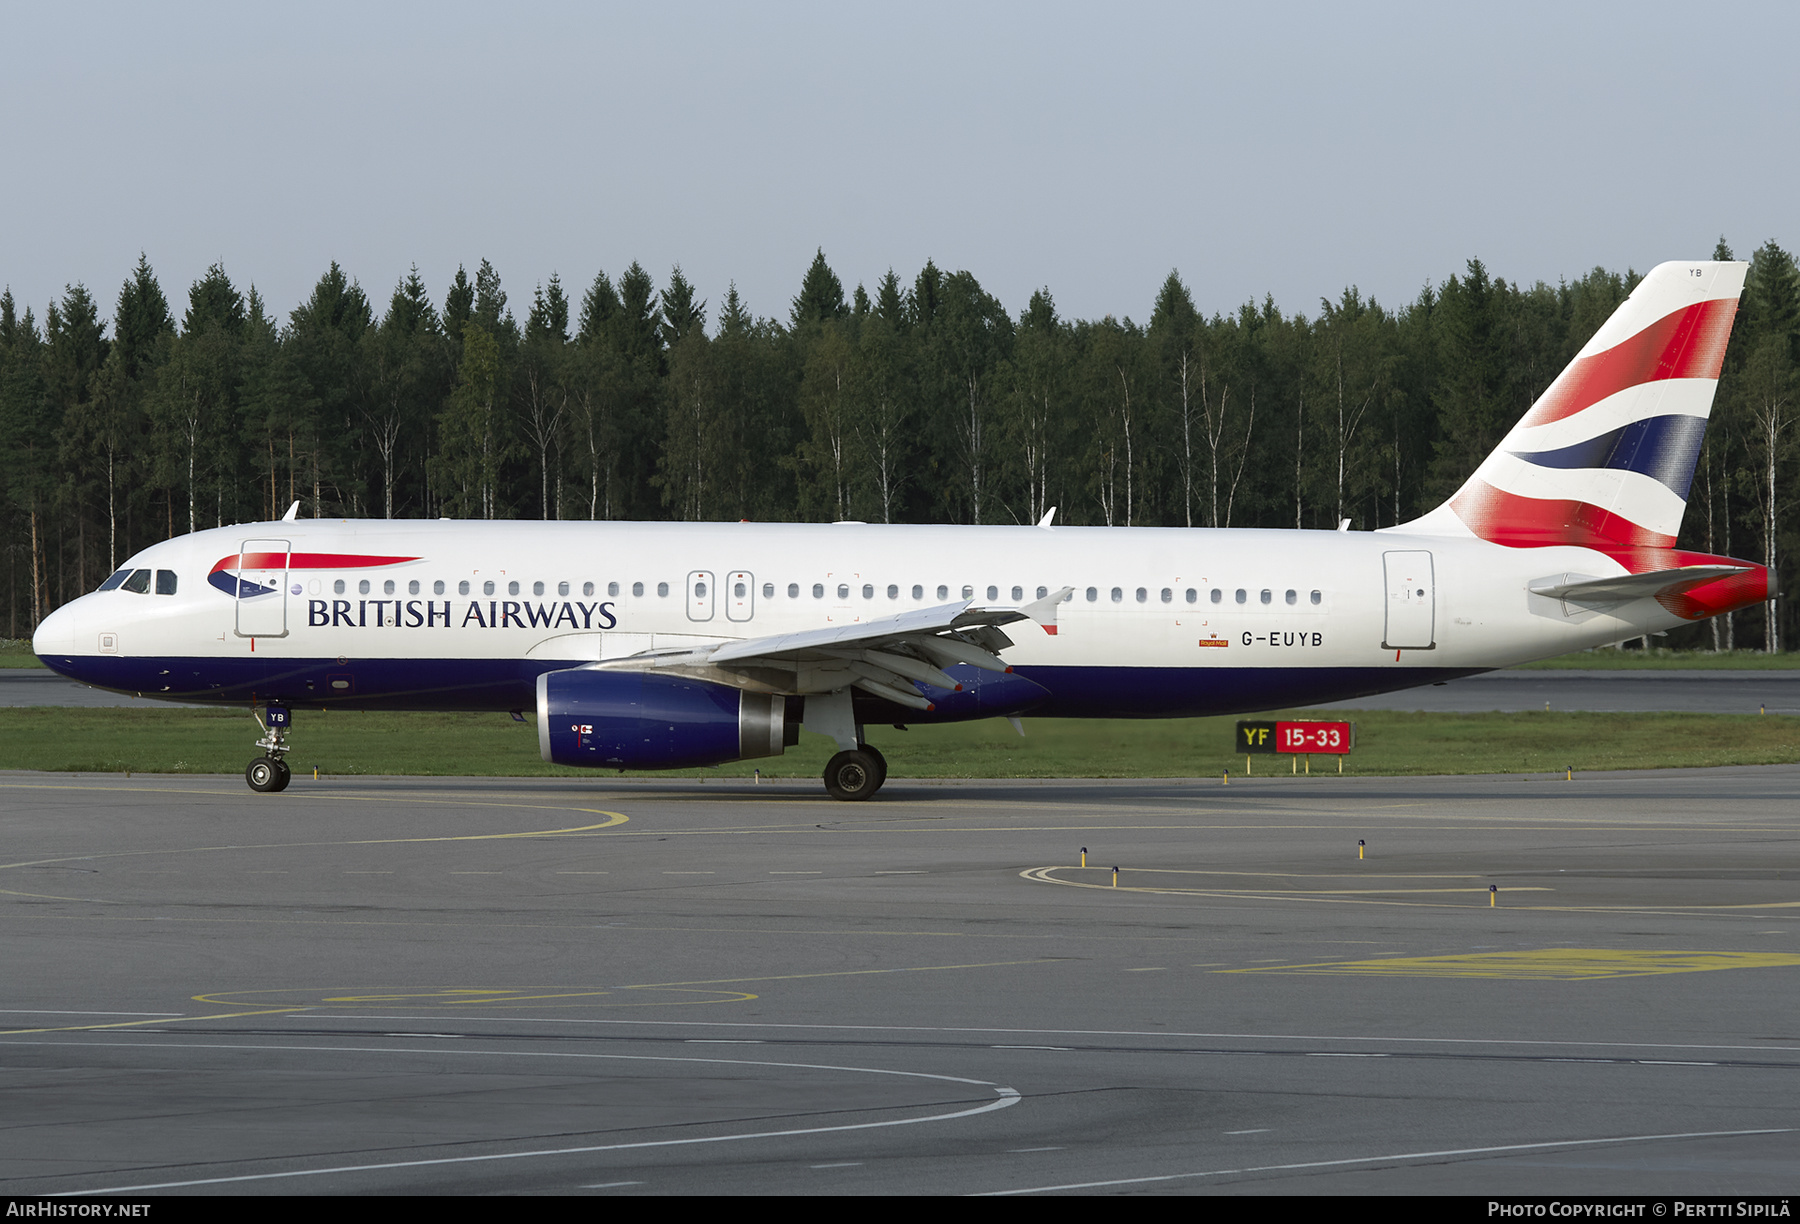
1388 602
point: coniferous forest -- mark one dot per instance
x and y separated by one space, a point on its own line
921 401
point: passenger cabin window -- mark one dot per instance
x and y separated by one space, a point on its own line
868 590
437 588
637 589
893 591
1316 598
1018 594
918 591
1268 596
587 588
968 592
818 590
943 592
843 590
1218 594
387 588
165 582
412 588
512 588
1243 596
1193 596
1142 595
1293 597
1093 593
1118 595
337 588
793 590
462 588
1043 592
993 592
612 588
662 590
1168 596
487 588
562 588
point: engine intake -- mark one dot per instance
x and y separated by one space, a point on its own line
638 720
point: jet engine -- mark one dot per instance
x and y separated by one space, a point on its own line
639 720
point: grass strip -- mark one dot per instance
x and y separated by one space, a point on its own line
175 740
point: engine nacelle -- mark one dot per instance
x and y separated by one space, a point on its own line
638 720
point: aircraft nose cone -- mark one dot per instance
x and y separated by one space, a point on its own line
55 636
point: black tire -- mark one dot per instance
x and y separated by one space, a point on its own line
285 774
853 775
880 765
263 775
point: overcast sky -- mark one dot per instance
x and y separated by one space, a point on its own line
1282 149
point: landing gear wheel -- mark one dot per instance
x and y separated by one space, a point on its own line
264 774
853 775
880 765
285 775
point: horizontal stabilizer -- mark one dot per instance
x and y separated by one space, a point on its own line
1579 588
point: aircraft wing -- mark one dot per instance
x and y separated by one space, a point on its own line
887 656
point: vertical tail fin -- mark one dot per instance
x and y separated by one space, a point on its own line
1605 457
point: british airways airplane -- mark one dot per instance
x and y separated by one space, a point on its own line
671 645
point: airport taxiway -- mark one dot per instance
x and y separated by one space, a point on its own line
482 985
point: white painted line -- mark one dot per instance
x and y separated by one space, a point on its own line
1334 1054
842 1164
1006 1097
901 873
610 1185
1265 1130
1366 1160
432 1036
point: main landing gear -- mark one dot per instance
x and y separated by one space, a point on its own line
270 771
856 774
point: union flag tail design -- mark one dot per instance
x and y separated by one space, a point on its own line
1605 457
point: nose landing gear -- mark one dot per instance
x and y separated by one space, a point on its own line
270 772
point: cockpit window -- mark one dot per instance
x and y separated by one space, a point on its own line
139 582
115 580
165 582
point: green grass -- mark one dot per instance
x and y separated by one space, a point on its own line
174 740
16 652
